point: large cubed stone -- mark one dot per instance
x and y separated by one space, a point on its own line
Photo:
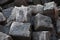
23 14
7 12
42 22
42 35
22 30
50 9
20 14
4 36
37 8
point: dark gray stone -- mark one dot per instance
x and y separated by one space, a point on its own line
45 1
5 28
2 18
3 1
37 8
37 1
7 12
8 5
58 39
50 9
42 35
42 22
58 25
4 36
20 29
21 2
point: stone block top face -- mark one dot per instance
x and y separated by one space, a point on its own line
20 29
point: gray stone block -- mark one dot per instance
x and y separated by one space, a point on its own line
21 2
58 25
37 1
50 9
7 12
37 8
42 22
20 14
22 30
46 1
2 18
42 35
4 36
23 14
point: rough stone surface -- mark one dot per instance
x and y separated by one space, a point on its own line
43 35
50 9
23 14
4 36
2 18
45 1
20 29
5 28
37 8
42 22
7 12
37 2
58 25
19 2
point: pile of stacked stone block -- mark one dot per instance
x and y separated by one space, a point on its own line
37 21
